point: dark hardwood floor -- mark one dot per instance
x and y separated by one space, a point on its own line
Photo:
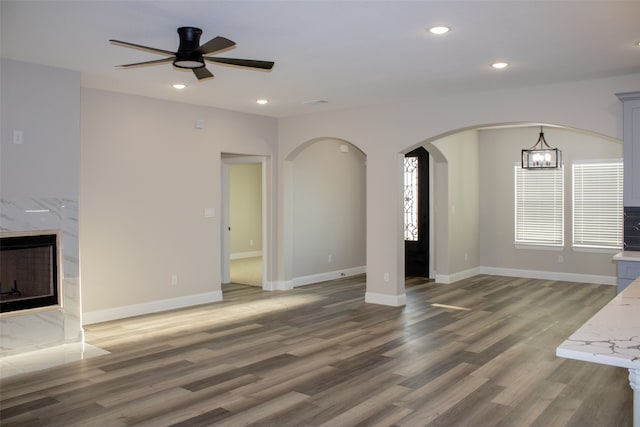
479 352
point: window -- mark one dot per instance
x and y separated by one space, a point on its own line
539 206
411 198
597 204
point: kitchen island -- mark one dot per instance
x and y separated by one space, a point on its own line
612 337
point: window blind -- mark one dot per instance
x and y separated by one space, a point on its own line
539 206
598 204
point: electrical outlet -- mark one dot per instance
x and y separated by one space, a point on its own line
386 277
174 279
330 258
17 137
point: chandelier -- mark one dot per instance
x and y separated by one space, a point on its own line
541 156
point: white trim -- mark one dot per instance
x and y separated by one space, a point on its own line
460 275
278 286
242 255
225 244
596 250
432 216
150 307
531 246
385 299
330 275
550 275
527 274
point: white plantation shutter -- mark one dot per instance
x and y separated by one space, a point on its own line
597 204
539 206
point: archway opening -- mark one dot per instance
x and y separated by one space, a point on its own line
474 206
326 207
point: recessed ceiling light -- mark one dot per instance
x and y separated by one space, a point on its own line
179 86
262 101
439 30
500 65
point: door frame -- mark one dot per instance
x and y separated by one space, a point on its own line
425 212
225 246
432 246
432 218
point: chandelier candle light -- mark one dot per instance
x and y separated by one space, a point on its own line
541 155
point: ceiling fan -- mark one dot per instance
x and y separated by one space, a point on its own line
191 55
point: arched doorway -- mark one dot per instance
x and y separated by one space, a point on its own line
473 192
326 211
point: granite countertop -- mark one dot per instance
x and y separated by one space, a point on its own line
627 256
612 335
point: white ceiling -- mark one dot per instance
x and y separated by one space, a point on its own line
348 53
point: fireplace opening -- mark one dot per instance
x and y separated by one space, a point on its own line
29 271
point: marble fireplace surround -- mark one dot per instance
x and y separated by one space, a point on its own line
38 329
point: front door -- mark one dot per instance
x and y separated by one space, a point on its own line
416 213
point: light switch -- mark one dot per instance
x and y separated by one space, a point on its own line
209 212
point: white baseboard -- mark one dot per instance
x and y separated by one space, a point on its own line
241 255
527 274
385 299
461 275
278 286
149 307
331 275
370 297
550 275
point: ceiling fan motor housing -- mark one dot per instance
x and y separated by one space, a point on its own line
188 54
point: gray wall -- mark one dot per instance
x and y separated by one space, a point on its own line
329 204
245 209
42 173
43 103
384 132
147 175
461 153
500 150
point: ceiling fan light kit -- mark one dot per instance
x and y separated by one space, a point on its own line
190 54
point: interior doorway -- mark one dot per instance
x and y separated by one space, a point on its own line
416 213
243 220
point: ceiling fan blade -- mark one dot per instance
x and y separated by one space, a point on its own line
215 45
265 65
202 73
142 64
140 47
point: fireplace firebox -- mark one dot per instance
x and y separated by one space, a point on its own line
29 271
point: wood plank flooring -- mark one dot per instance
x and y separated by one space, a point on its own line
484 355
